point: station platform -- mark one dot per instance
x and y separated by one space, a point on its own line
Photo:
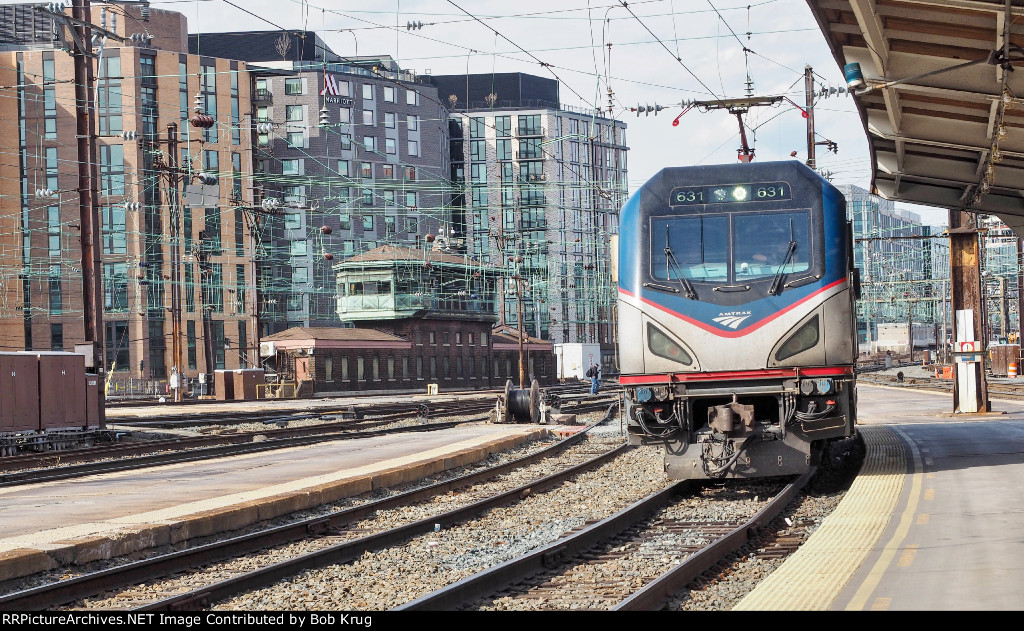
50 525
928 525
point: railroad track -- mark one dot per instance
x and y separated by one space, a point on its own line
633 560
340 536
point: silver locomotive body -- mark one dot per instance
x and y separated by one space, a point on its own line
740 366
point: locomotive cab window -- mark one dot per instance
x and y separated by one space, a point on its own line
731 247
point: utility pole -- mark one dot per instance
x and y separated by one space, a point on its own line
174 179
809 96
88 188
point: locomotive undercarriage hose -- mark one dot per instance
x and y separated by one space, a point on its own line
667 430
716 466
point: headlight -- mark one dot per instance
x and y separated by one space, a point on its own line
662 346
806 337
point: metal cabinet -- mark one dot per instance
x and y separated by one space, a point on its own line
62 401
19 392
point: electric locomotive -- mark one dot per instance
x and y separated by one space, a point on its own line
736 318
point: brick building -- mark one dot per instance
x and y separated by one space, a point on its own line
142 88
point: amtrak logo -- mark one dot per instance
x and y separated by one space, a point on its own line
732 320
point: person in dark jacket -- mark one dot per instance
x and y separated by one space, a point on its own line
595 374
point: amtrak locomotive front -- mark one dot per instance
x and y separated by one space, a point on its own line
736 326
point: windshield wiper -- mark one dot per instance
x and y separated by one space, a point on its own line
670 257
776 287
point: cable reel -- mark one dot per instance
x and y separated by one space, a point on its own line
519 405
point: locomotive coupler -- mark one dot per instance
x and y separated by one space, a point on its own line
733 419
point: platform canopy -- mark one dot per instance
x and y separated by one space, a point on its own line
943 100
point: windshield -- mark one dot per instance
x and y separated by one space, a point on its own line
699 244
735 247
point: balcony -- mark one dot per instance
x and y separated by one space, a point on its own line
262 97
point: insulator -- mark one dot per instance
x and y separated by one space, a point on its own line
412 26
144 10
56 7
326 229
270 203
132 206
204 121
325 118
328 256
199 103
45 193
207 178
141 38
264 128
129 135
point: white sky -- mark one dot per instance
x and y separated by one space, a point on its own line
700 56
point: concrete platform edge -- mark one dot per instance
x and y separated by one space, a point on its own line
25 561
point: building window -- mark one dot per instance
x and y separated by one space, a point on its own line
414 148
410 174
367 92
118 355
346 141
413 122
367 223
56 337
115 286
190 335
329 369
388 171
389 94
368 117
296 140
476 127
56 298
369 143
291 167
412 97
389 146
343 168
293 112
366 169
503 126
389 120
115 237
410 199
293 86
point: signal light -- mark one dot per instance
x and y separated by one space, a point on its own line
204 121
